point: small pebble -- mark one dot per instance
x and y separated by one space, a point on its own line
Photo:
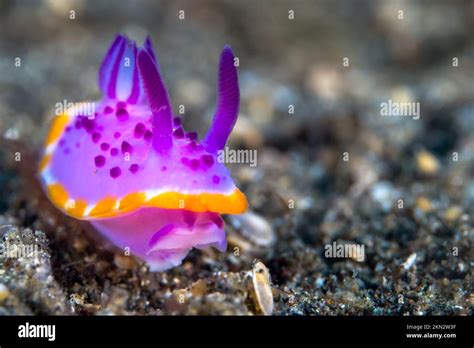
452 213
409 262
124 262
424 204
4 293
427 163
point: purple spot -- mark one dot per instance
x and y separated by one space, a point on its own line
61 142
68 128
78 124
89 125
216 179
108 110
78 145
99 161
122 114
121 105
115 172
179 133
163 169
192 135
133 168
96 137
114 151
185 161
148 135
194 164
126 147
66 151
177 121
192 145
139 130
117 135
208 160
104 146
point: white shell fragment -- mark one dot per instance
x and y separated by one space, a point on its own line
409 262
262 288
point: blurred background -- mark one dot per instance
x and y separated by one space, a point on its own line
333 63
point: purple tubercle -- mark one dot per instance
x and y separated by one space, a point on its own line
88 124
104 146
114 151
99 161
194 164
228 99
133 168
193 146
158 101
179 133
126 147
208 160
139 130
148 136
121 105
115 172
96 137
122 114
216 179
117 135
191 135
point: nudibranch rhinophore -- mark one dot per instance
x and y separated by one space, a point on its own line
132 170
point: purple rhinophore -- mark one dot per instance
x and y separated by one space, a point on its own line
228 99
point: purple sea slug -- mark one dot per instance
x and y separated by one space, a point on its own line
132 170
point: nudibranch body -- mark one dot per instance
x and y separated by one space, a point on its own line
134 172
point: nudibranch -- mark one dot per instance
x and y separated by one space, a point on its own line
131 169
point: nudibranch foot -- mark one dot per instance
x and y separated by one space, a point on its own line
163 237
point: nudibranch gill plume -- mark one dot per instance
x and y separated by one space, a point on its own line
133 171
